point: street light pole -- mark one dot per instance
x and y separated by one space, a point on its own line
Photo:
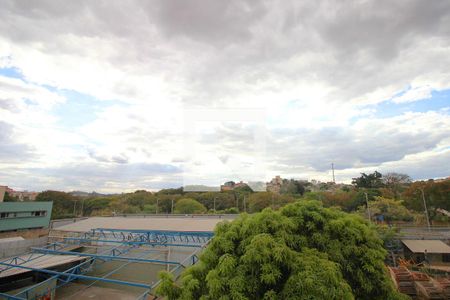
426 209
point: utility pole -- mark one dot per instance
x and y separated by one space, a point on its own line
171 211
426 209
368 208
214 203
82 207
332 170
74 205
157 205
273 204
245 205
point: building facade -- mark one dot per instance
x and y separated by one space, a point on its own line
275 184
24 215
18 195
2 192
231 185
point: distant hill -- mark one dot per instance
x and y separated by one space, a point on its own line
82 194
201 188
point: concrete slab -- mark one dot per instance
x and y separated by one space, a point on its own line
140 223
43 262
80 291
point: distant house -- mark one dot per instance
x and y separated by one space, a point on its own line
24 215
19 195
231 185
433 251
23 195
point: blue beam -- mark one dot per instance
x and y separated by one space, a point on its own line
80 266
208 234
104 257
20 260
7 296
79 276
86 240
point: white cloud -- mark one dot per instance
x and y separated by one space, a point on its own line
415 94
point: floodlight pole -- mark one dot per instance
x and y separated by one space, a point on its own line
426 209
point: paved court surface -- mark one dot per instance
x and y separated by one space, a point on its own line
147 223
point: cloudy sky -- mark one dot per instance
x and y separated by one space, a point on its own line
122 95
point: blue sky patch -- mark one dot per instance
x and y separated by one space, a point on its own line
79 109
439 100
11 72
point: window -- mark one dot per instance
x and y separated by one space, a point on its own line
446 258
39 213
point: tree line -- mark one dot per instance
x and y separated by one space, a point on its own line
392 196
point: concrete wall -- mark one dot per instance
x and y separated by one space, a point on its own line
19 215
15 248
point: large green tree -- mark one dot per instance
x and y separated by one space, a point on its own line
374 180
258 201
303 251
387 209
9 198
64 204
189 206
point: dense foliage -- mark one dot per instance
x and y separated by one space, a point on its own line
63 203
388 210
8 198
302 251
189 206
350 198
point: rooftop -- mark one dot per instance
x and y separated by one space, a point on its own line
431 246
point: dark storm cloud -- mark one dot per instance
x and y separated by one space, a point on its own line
111 171
99 175
435 166
371 143
255 40
95 176
211 22
349 149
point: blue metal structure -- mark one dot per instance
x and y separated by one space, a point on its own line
118 243
104 257
126 242
153 236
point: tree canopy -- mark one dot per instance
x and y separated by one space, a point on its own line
373 180
64 204
303 251
189 206
387 210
